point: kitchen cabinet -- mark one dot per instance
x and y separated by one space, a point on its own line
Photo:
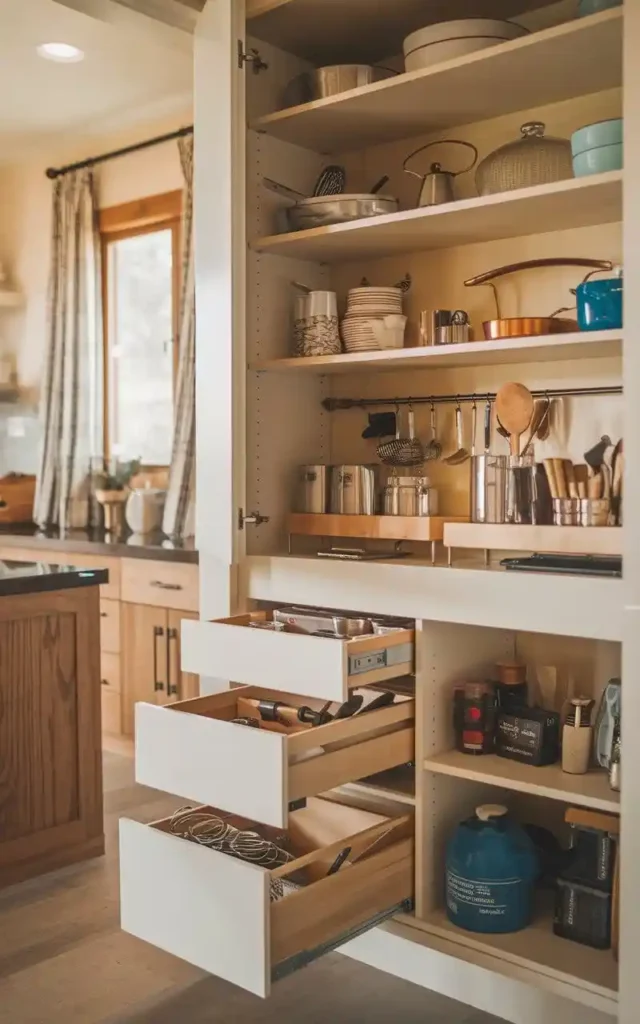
262 413
151 659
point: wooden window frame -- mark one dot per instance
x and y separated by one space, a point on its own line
141 217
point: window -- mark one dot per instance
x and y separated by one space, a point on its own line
140 267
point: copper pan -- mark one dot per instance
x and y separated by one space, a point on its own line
531 326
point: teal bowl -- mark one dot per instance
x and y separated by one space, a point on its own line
602 133
596 161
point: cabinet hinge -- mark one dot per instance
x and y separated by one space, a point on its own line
251 57
253 519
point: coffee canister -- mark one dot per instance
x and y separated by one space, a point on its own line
312 495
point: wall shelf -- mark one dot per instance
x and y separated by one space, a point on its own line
574 203
542 349
592 970
590 790
415 528
579 57
334 31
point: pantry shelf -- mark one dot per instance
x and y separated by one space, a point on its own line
590 790
594 971
574 203
343 33
579 57
544 348
416 528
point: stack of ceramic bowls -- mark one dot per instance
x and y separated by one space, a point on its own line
598 147
373 319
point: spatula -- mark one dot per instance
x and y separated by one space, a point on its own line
514 408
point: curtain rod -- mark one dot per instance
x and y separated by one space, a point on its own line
57 172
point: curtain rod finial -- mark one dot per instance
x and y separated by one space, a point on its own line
51 173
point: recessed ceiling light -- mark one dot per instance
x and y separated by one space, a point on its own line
64 53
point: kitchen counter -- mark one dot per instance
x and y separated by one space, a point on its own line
51 778
38 578
155 546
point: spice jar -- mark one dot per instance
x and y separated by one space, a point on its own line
511 689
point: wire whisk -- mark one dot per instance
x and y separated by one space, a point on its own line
403 451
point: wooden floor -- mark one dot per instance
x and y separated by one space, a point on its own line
63 959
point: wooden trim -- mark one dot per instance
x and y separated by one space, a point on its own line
147 212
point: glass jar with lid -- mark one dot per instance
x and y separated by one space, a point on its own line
534 159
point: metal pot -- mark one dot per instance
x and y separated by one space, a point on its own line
488 488
313 489
353 490
409 496
529 326
320 211
437 184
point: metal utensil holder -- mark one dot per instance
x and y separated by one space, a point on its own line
522 490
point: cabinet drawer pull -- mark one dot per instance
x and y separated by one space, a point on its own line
104 682
104 615
172 688
158 631
166 586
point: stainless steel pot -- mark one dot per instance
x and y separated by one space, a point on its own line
313 489
353 490
488 488
409 496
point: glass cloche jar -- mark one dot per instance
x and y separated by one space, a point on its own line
535 159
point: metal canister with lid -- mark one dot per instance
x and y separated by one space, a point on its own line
312 494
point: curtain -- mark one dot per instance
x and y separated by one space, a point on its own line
181 488
71 401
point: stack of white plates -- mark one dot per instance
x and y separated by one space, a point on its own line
373 319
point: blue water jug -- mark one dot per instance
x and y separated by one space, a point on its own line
491 869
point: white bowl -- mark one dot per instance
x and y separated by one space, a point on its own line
450 39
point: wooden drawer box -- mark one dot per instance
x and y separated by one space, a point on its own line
109 590
110 626
188 749
110 671
163 584
292 662
215 911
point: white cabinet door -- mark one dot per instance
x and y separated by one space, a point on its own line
220 240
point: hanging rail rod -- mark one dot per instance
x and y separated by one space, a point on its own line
91 161
337 404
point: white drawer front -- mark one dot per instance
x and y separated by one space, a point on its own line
191 750
294 663
202 906
215 911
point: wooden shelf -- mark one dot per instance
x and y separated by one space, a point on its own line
546 348
337 31
416 528
590 790
574 540
537 948
574 203
580 57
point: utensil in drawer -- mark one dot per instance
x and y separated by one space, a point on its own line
350 707
384 700
461 454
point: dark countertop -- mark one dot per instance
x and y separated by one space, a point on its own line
151 545
36 577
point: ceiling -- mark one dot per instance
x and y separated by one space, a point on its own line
130 75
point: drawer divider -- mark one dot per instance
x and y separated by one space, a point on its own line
317 775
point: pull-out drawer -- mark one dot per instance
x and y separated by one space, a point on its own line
313 666
251 925
195 750
160 584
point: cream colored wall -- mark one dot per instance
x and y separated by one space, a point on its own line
25 219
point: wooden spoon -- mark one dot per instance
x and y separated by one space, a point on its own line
514 408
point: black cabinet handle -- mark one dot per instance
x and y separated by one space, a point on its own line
166 586
158 631
172 688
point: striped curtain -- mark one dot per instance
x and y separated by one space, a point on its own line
71 400
181 489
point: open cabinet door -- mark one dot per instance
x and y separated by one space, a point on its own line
219 197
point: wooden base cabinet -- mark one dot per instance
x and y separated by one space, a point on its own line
151 659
